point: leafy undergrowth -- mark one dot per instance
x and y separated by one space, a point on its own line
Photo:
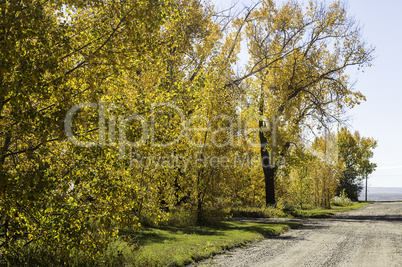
259 212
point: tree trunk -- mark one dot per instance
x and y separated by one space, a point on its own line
268 169
199 209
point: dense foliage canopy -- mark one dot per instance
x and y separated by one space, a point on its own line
116 113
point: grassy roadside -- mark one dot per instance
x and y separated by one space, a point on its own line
178 246
171 246
161 246
174 246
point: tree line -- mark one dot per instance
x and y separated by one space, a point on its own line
118 113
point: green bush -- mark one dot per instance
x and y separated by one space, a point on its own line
36 255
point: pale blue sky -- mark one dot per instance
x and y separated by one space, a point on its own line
380 116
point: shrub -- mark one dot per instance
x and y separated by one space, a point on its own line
341 200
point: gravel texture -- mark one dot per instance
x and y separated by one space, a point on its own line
370 236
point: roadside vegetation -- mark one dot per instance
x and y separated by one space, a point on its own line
294 211
129 119
161 246
168 245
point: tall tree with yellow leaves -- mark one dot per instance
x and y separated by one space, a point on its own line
298 58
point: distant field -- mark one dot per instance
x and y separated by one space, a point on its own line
382 193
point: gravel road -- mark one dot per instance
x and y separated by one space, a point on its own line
370 236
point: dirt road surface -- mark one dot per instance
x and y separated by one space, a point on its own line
370 236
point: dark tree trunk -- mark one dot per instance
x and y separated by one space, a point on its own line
199 208
268 169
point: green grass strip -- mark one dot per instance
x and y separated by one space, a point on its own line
170 246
